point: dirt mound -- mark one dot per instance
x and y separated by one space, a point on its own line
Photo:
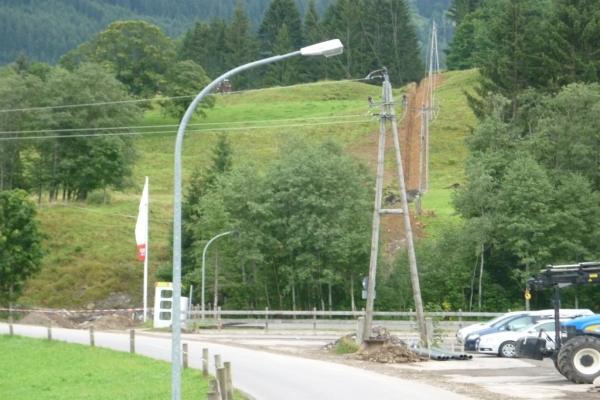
110 323
390 353
42 319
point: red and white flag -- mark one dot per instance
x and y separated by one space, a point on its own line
141 227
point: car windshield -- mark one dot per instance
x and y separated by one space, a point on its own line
526 327
491 322
501 321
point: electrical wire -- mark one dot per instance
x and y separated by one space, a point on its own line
191 131
108 214
172 126
174 97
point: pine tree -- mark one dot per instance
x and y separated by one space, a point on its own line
280 12
285 72
395 40
513 62
241 48
342 20
204 44
462 51
315 67
573 28
459 9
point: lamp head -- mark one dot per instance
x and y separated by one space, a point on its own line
329 48
236 233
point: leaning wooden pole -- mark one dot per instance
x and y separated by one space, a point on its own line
412 260
375 235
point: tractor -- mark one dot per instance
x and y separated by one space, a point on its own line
576 355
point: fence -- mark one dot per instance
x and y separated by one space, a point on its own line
402 320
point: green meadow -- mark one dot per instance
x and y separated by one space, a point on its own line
39 369
91 246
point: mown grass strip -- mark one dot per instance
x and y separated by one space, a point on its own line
38 369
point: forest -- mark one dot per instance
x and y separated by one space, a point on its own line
44 31
531 190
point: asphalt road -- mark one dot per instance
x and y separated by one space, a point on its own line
263 375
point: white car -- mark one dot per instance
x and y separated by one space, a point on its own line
503 343
511 317
462 333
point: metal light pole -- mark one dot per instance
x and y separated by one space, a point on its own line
235 233
327 49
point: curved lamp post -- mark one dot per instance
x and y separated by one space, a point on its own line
235 233
327 49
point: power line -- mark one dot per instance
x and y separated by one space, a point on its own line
171 126
192 131
171 98
108 214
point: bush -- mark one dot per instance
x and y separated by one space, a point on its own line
97 197
346 346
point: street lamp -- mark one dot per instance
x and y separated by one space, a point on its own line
235 233
327 49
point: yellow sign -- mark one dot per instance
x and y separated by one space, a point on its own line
527 295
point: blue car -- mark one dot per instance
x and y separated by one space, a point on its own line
517 322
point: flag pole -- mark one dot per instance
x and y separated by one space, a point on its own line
146 258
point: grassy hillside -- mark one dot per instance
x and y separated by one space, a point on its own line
448 151
92 249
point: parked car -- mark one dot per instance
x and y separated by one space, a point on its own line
462 333
519 321
503 343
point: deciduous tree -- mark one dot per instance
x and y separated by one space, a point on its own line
137 52
21 240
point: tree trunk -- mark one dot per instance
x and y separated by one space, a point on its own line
481 275
353 304
278 288
330 299
526 299
216 302
267 295
10 301
473 284
294 298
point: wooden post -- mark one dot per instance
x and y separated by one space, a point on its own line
132 341
219 318
222 377
267 320
429 330
205 362
185 355
218 363
92 341
314 320
460 318
214 393
360 330
49 330
229 380
10 326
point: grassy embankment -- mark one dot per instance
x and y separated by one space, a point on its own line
38 369
92 248
447 135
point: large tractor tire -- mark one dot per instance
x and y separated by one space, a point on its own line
554 358
579 359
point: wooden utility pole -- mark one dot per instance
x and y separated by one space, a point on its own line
388 113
